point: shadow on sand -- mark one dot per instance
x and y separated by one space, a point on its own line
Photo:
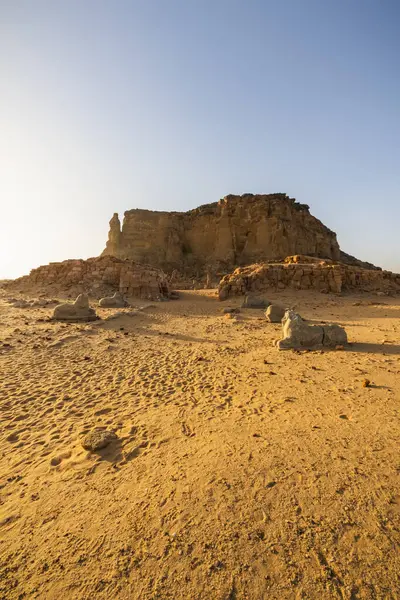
368 348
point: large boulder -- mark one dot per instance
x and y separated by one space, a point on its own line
298 334
251 301
115 301
76 311
275 313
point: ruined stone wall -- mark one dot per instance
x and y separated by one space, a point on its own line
323 277
97 277
237 230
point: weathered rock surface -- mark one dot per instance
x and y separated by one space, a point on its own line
214 238
252 301
298 334
76 311
97 276
315 274
98 439
275 313
334 335
114 301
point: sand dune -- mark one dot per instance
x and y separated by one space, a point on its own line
239 472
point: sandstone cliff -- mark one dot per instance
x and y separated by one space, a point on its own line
237 230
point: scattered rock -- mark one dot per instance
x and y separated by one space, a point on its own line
117 315
251 301
275 313
366 383
98 439
229 315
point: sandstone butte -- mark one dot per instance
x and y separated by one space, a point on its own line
216 238
247 243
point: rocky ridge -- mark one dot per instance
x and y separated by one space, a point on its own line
304 273
97 277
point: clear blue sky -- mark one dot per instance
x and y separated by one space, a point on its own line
168 104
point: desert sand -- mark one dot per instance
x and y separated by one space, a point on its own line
239 472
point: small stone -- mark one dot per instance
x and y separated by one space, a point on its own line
98 439
275 313
271 484
251 301
366 383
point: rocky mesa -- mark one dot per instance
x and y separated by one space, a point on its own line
215 238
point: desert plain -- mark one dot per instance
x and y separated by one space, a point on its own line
238 472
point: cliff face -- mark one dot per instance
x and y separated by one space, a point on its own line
237 230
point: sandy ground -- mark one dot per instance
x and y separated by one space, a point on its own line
240 472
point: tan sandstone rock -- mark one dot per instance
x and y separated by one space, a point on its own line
297 334
98 277
114 301
76 311
252 301
98 439
216 237
322 276
275 313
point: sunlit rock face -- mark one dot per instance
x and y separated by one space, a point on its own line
236 231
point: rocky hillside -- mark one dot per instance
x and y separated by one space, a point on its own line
95 276
305 273
215 238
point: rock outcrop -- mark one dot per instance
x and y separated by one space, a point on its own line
214 238
98 277
323 276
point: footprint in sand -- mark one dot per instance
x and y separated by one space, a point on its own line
103 411
56 460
